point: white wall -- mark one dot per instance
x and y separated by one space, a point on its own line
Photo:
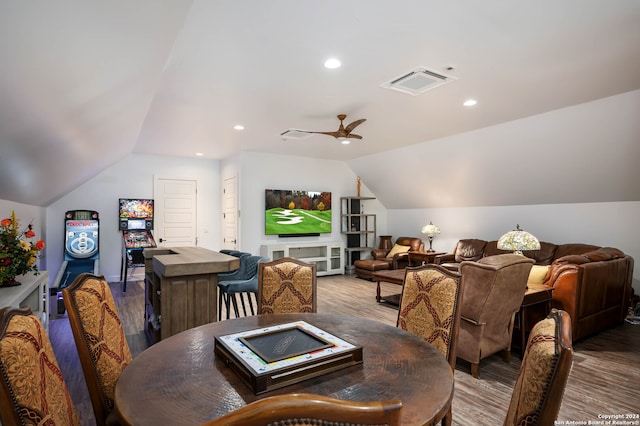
266 171
133 177
603 224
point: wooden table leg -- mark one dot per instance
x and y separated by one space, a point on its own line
378 298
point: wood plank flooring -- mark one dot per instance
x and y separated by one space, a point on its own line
605 379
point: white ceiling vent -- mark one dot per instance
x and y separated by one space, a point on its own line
295 134
418 81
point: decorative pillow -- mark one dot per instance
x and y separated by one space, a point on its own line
397 248
538 274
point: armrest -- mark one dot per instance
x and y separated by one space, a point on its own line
400 257
444 258
379 253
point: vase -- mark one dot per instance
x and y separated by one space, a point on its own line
10 282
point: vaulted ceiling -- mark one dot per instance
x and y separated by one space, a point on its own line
83 85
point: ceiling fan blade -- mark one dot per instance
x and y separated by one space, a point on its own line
354 136
355 124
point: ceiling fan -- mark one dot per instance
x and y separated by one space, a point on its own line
343 134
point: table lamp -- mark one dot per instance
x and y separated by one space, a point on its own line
518 240
431 230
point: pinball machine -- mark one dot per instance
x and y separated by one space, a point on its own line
136 224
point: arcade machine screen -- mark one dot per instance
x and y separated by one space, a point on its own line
136 223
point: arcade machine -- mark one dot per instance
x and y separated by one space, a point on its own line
80 249
136 224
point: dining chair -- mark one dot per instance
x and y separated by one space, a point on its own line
242 285
430 309
546 364
304 409
32 389
287 285
100 340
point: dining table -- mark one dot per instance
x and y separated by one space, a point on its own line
180 380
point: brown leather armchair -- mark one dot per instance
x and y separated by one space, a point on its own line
494 288
380 261
471 249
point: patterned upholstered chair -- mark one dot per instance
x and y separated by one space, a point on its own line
430 309
286 285
308 410
100 340
32 390
546 365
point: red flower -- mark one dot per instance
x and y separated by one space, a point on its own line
6 223
29 234
40 244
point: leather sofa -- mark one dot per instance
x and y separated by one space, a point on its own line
591 283
381 260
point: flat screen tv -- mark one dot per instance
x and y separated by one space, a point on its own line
297 213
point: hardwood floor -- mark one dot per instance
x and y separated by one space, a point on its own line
605 379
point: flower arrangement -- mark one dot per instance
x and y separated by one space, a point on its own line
18 255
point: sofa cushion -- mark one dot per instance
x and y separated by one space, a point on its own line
575 259
538 274
598 256
573 248
397 248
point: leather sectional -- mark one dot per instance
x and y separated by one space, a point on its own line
591 283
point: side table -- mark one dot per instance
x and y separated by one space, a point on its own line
417 258
535 306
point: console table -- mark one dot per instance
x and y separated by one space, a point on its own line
535 306
417 258
33 292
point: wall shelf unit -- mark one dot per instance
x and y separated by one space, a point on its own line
326 256
33 292
360 229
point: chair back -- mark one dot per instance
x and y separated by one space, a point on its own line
286 285
32 389
236 274
545 368
430 307
100 340
308 409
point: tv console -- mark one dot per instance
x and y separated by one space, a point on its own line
327 256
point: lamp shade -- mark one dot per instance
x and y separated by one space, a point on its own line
518 241
430 229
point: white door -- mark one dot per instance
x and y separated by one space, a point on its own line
230 214
175 211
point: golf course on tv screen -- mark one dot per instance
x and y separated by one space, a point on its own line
297 212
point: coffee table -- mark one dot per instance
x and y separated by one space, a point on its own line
394 276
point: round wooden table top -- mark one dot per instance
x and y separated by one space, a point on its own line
179 380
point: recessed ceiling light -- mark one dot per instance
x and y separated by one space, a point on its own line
470 102
238 127
332 63
199 154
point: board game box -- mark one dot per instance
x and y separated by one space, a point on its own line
272 357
